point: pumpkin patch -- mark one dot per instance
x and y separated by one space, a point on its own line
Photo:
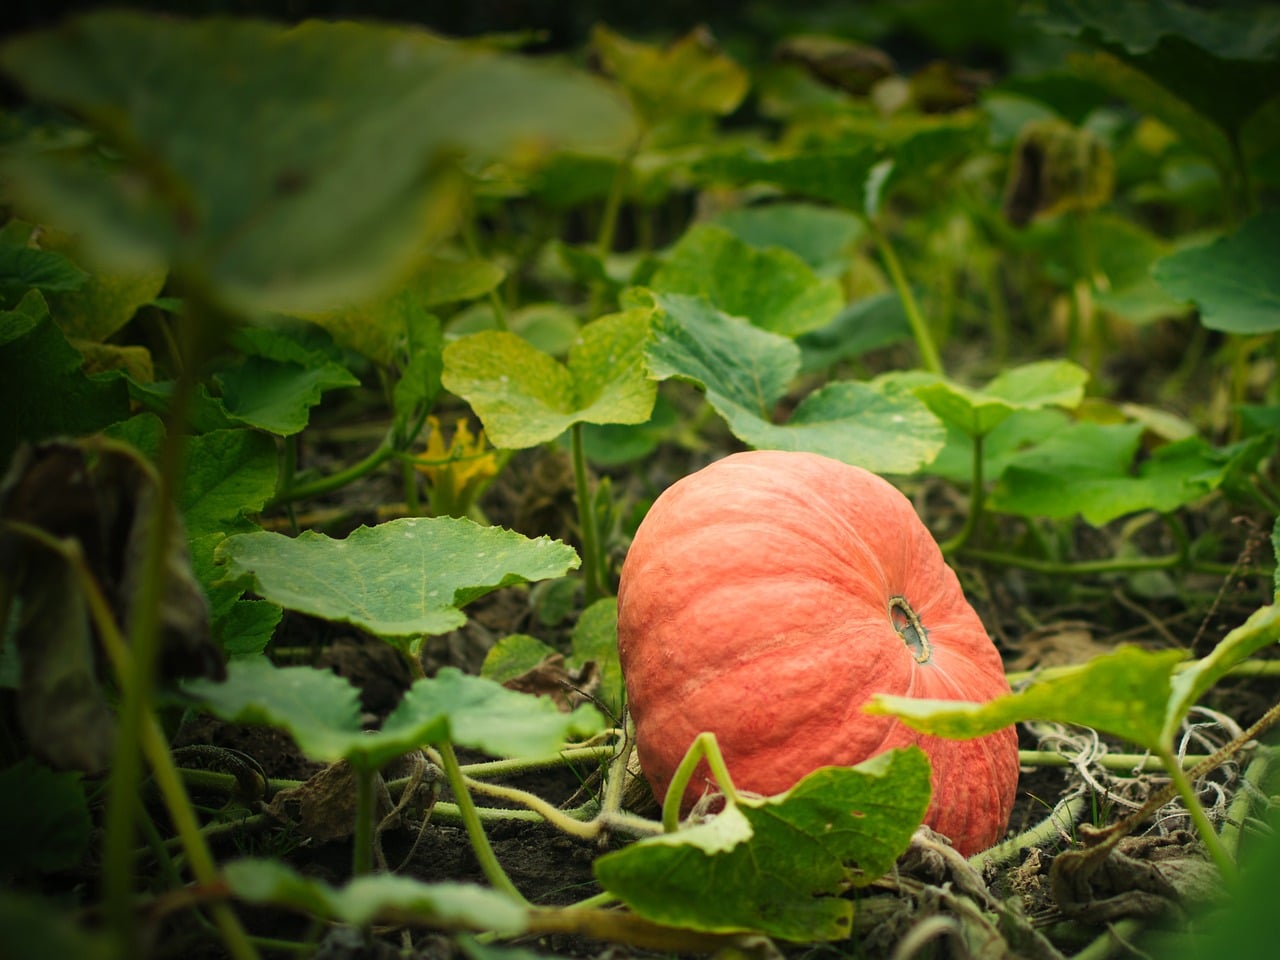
767 597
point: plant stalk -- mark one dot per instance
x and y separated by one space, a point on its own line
366 809
489 864
929 357
1212 842
704 747
592 587
977 498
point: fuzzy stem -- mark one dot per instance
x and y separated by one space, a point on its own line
704 747
386 450
489 864
366 808
1119 762
1066 814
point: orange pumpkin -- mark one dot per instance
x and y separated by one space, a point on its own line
766 597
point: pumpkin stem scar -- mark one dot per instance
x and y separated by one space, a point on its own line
908 626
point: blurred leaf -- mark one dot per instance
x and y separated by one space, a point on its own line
525 397
836 175
36 929
350 124
387 898
402 578
23 268
275 385
1088 469
779 864
106 301
820 236
689 76
44 819
867 324
1234 280
42 389
773 288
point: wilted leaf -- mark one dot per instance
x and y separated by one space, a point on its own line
402 578
778 864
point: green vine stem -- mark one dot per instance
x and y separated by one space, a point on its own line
592 586
492 869
1118 762
335 481
1255 775
977 499
929 357
704 747
1061 818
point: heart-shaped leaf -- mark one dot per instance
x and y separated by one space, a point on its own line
525 397
1046 383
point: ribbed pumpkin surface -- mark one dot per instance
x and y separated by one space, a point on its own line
766 597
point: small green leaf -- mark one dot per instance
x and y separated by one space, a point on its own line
820 236
1125 693
867 324
525 397
1046 383
512 656
230 475
777 865
402 578
1234 280
595 639
386 897
106 301
23 268
246 627
44 819
773 288
836 175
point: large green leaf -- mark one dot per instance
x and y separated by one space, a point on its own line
387 897
1088 469
1125 693
836 175
777 865
1137 694
321 711
402 578
1235 280
525 397
820 236
773 288
292 168
746 371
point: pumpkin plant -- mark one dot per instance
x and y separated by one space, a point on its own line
767 597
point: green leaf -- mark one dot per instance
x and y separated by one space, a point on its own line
745 370
230 475
419 382
321 711
44 819
106 301
1088 469
512 656
835 174
595 639
1234 280
820 236
1262 629
690 76
42 389
777 865
246 627
402 578
351 126
773 288
882 429
23 268
525 397
1125 693
35 929
1046 383
867 324
385 897
275 393
1275 550
1003 445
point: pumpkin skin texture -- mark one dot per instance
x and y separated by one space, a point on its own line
766 597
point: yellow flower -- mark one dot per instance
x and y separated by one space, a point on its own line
455 472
